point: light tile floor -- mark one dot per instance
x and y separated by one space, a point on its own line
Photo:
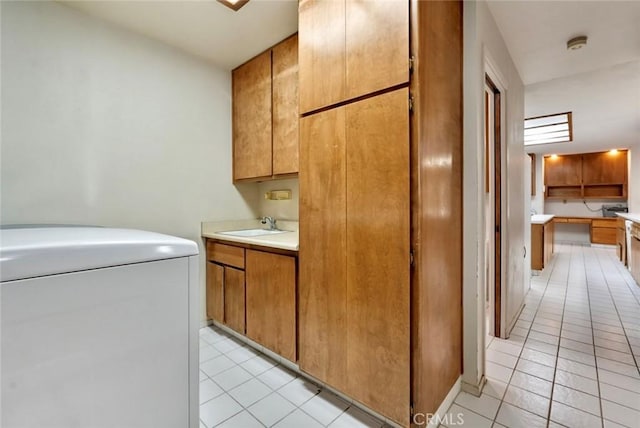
572 358
242 388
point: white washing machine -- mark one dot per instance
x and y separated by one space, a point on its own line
99 328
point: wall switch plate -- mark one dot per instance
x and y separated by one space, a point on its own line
278 195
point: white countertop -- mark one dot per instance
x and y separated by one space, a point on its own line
284 241
630 216
541 218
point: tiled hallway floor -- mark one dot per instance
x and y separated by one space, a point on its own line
242 388
572 358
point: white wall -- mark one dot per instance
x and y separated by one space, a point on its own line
537 201
482 40
102 126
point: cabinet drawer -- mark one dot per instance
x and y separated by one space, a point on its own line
579 220
606 223
603 235
620 223
559 220
225 254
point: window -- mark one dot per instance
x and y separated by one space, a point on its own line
555 128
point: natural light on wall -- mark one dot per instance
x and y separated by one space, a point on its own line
554 128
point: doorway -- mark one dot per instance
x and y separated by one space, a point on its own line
493 208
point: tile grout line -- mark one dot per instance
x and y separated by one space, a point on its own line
555 368
615 306
595 356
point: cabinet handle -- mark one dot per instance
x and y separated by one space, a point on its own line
524 256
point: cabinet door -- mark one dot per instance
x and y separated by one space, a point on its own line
234 299
271 301
321 34
252 118
563 170
604 168
378 232
285 107
377 40
322 286
215 292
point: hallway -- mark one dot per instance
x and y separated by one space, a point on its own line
572 358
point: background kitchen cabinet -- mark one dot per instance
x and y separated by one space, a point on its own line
600 175
621 240
271 301
371 174
265 114
635 252
349 48
605 174
541 244
603 231
563 176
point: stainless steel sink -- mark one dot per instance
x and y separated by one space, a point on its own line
252 232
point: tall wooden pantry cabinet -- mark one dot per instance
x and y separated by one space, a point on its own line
380 286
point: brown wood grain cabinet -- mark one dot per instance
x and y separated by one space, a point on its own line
271 301
621 240
601 175
265 114
542 236
603 231
252 119
635 252
254 293
380 186
350 48
225 285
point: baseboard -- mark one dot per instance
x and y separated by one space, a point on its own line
474 389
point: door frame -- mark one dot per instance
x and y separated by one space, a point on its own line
494 78
496 221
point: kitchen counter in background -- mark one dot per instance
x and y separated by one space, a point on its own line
630 216
284 241
541 218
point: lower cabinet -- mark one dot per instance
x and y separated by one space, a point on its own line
541 244
621 240
254 293
603 231
635 252
226 295
271 301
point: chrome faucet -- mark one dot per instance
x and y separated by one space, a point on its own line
533 211
271 221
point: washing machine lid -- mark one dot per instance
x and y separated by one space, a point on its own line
33 251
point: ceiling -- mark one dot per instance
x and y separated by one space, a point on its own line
204 28
599 83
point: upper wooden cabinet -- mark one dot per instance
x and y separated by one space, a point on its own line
285 106
600 175
265 114
350 48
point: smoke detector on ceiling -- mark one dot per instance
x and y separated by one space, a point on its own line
577 43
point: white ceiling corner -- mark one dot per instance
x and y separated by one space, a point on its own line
599 83
204 28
